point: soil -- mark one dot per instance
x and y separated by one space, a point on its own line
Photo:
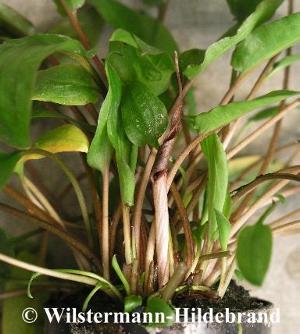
237 299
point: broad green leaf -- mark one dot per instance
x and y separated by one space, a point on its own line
144 116
100 151
223 115
66 84
224 228
90 22
242 8
284 63
124 149
135 60
72 5
17 81
66 138
147 28
14 23
156 305
263 114
120 274
264 11
217 183
254 249
132 302
261 45
8 162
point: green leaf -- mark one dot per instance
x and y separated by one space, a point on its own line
264 11
284 63
145 117
19 62
66 84
223 115
135 60
8 162
73 5
265 113
14 23
217 178
147 28
156 305
254 248
66 138
120 274
99 286
110 131
261 44
242 8
224 228
132 302
90 22
100 151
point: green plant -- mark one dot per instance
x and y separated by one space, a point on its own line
182 216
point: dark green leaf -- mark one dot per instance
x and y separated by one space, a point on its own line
137 61
100 151
144 116
217 178
147 28
124 150
223 115
224 228
156 305
242 8
19 62
8 162
67 84
261 44
14 23
254 250
132 302
264 11
90 22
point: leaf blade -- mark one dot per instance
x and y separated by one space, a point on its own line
261 44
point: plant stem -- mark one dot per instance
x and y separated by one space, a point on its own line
127 232
84 40
47 272
176 279
189 242
245 189
104 236
256 133
58 231
76 186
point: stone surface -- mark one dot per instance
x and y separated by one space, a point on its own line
197 23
